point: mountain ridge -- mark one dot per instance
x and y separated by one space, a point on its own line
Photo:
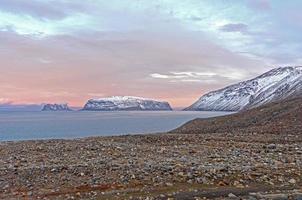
276 84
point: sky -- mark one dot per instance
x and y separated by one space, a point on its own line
55 51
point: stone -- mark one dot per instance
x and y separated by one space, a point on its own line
271 146
232 196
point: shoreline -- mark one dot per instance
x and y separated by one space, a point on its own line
71 138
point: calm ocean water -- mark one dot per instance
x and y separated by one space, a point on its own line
45 125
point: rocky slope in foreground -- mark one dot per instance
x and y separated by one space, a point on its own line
120 103
56 107
275 85
283 117
157 166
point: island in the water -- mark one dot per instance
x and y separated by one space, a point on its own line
56 107
125 103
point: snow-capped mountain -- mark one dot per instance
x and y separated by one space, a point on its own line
117 103
56 107
274 85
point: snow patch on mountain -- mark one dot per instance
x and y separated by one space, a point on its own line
117 103
274 85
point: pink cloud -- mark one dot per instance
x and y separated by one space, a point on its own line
78 66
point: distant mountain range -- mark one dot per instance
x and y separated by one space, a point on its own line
20 107
275 85
114 103
118 103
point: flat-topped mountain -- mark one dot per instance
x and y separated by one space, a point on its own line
120 103
275 85
56 107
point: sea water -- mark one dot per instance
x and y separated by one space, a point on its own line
16 125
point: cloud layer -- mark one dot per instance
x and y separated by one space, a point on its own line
70 51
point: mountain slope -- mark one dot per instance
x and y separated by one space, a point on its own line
283 117
117 103
277 84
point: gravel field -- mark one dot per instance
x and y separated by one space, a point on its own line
158 166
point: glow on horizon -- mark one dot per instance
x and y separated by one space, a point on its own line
71 51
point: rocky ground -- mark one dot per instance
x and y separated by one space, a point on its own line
159 166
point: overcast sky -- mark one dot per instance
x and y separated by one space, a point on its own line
173 50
